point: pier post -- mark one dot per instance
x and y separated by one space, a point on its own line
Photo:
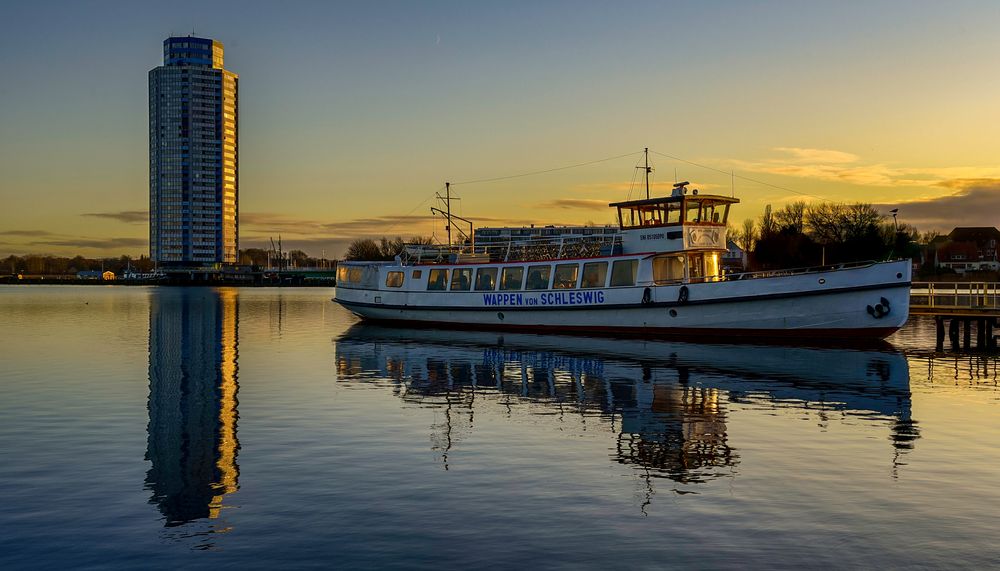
991 341
939 326
967 337
953 332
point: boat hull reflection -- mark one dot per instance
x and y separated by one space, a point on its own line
666 400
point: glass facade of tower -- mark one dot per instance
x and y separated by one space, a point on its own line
193 156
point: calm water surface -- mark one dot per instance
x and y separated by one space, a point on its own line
242 427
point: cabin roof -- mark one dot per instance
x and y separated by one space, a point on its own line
665 199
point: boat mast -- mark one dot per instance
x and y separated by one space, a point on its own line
647 169
447 201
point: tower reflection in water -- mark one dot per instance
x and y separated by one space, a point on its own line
665 401
193 386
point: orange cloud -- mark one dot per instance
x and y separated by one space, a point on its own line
584 203
976 202
818 155
840 166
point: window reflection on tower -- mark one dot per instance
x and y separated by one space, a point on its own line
193 384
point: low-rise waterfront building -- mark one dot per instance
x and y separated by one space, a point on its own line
966 249
501 235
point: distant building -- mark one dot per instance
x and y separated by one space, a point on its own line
89 275
735 258
108 276
502 235
543 242
965 249
193 156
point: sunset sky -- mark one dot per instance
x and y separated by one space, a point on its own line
352 115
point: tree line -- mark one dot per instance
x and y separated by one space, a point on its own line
797 235
383 249
801 234
34 264
61 265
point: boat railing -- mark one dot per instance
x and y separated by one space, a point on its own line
563 246
797 271
955 295
515 248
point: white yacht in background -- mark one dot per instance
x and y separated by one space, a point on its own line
659 275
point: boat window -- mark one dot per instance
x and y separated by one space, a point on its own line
709 214
696 268
693 211
647 215
394 279
538 277
651 215
416 274
511 278
703 267
354 275
668 269
461 279
595 274
486 279
712 266
342 274
623 272
565 277
437 280
673 214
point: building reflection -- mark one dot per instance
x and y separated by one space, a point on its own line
665 402
193 384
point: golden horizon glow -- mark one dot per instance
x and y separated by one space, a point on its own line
351 123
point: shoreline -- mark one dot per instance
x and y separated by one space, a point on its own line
168 283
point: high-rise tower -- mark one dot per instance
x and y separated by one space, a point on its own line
193 156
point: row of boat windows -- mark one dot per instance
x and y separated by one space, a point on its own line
670 213
560 276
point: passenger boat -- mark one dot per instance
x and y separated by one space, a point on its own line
659 274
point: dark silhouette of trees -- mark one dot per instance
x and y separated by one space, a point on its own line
33 264
382 250
803 234
253 257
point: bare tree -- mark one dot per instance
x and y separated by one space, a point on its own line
384 249
767 224
363 249
825 222
792 217
747 235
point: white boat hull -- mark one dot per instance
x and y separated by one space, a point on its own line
837 303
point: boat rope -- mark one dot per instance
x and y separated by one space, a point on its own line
412 210
741 177
546 170
604 160
635 174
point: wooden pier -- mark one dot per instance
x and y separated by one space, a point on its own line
962 304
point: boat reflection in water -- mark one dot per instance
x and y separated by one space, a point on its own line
666 401
193 387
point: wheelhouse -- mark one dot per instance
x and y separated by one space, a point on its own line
682 222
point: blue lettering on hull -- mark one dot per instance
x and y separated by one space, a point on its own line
554 298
